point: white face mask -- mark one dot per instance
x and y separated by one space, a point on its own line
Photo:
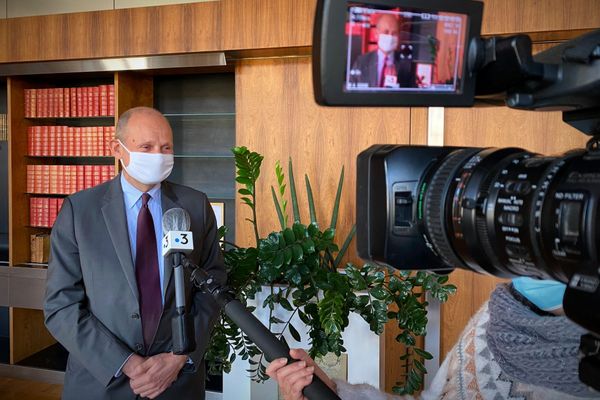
148 168
387 43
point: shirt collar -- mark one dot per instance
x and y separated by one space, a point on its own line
132 195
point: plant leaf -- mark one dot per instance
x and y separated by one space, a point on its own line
336 203
342 252
278 209
293 192
311 201
295 334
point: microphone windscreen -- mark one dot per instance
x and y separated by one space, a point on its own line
176 219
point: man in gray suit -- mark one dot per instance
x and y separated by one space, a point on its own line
110 295
385 67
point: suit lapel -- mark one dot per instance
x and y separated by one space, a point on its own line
168 200
113 211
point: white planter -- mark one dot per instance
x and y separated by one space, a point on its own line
363 351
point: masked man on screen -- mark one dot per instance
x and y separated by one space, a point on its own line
385 67
110 294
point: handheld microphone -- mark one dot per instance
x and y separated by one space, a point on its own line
178 240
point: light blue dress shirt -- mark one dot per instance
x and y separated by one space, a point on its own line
133 204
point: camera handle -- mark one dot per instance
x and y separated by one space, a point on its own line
272 347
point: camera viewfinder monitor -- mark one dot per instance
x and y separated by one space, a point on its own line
394 53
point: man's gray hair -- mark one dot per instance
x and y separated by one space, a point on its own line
121 129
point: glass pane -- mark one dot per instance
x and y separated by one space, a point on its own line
203 135
213 176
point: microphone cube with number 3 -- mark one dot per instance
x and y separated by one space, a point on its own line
177 242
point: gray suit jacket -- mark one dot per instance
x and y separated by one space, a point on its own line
367 65
91 304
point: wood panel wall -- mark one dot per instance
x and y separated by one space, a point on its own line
229 25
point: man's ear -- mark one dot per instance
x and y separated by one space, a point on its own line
116 149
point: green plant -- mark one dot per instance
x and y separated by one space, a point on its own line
302 267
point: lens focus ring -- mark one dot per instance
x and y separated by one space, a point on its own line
435 205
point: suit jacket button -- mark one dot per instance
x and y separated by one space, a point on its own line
135 315
139 347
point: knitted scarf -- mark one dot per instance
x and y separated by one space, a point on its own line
534 349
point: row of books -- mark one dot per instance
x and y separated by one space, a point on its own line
3 127
40 248
89 101
43 211
66 179
69 141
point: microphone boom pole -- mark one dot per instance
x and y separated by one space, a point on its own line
264 339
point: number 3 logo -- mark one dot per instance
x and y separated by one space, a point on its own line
184 239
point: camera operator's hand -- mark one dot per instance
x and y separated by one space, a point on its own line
293 378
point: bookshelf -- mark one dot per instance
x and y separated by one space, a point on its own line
50 147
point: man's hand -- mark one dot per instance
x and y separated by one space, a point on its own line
131 366
156 374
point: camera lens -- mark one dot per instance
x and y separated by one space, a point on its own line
510 212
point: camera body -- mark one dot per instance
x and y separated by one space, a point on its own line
505 212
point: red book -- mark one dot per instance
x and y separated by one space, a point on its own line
37 141
103 100
111 99
73 98
77 142
58 145
27 94
37 178
30 134
30 177
80 174
90 101
60 203
79 101
98 141
96 101
60 179
65 141
53 174
33 103
53 103
96 175
51 141
88 174
46 179
112 171
67 102
73 183
52 210
42 97
45 211
45 145
50 102
91 141
61 102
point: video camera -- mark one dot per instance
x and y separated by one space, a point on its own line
502 211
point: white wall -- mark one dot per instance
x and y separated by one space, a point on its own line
26 8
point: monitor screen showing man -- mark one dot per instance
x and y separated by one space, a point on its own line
393 49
